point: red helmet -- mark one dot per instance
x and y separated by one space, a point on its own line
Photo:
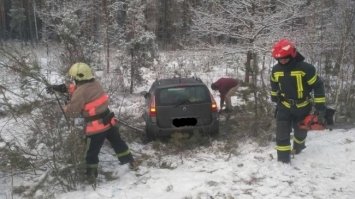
283 48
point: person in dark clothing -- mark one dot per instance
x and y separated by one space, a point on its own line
227 87
292 83
89 100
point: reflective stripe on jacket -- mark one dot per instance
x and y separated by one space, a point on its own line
97 126
89 99
295 81
71 88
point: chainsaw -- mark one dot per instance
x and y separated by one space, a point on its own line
311 122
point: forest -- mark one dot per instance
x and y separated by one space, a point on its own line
98 32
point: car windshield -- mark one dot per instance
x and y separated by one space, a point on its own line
183 95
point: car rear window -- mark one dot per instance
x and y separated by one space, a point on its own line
184 94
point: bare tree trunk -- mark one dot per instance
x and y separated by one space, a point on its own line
263 68
132 72
350 80
340 75
29 19
35 18
253 64
107 40
351 91
348 16
152 16
255 73
248 67
2 19
166 26
22 24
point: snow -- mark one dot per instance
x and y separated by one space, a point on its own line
325 169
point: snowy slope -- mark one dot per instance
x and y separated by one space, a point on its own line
326 169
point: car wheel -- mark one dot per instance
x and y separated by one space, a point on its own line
214 131
149 134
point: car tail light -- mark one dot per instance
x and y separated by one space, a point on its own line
152 107
214 107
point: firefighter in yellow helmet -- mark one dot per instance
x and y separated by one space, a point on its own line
81 72
90 101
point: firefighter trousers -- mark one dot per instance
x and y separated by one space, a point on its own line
286 120
95 142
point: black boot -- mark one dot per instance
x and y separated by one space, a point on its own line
297 148
91 175
126 159
133 165
284 156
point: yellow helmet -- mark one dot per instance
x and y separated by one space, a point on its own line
81 71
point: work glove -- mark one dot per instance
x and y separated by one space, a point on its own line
62 88
321 117
329 115
50 89
277 98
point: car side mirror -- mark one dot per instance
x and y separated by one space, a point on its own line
145 94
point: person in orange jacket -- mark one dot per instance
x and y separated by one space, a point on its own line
90 101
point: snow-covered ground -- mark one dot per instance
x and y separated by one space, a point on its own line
325 169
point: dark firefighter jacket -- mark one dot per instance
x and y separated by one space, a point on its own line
292 84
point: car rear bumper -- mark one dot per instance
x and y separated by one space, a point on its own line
157 131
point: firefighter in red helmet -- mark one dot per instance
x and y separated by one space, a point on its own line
295 87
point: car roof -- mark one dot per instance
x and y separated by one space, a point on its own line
176 81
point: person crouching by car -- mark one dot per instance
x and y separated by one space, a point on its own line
227 87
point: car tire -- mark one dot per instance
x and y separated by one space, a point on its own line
214 131
149 134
